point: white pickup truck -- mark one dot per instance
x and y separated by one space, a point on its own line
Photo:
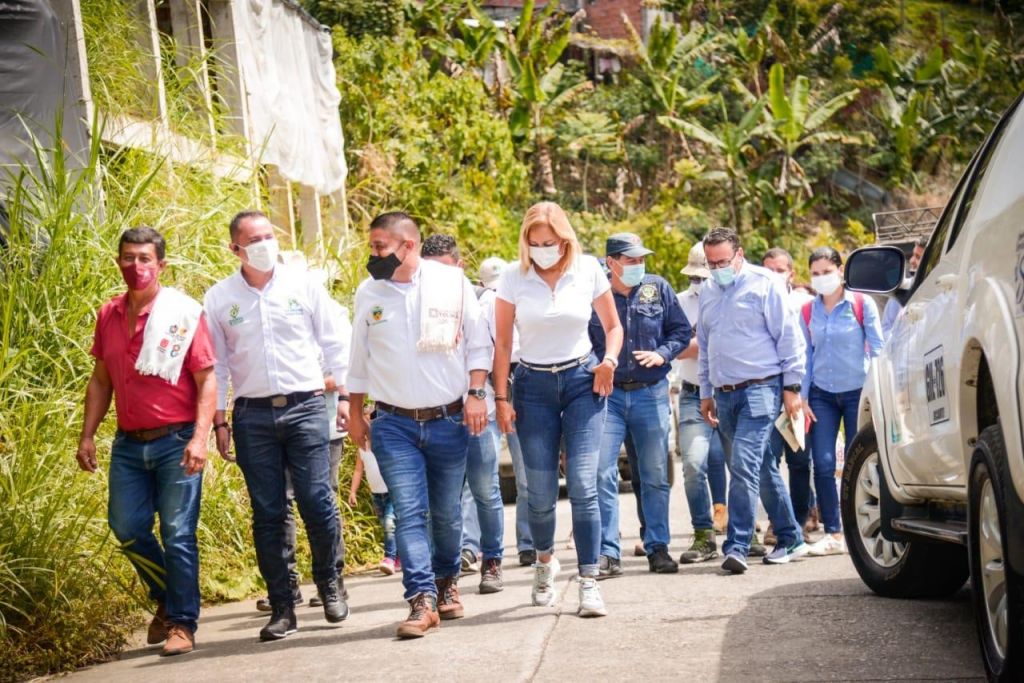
933 487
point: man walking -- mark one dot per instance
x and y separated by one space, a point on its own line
751 361
655 331
419 346
270 324
154 356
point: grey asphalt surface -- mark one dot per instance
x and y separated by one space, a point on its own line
811 620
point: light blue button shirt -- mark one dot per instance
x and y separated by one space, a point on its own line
839 350
748 331
889 316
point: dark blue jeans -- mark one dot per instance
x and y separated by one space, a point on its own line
550 406
830 408
146 479
269 442
424 466
385 512
716 471
799 465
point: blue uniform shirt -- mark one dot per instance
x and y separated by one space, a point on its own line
652 320
748 331
838 348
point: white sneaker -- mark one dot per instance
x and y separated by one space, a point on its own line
591 603
544 593
827 546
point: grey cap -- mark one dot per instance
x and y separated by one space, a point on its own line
625 244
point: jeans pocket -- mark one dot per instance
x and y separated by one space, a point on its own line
455 419
762 400
184 435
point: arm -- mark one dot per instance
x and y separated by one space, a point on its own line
357 478
479 357
604 372
806 384
329 326
98 393
691 351
783 324
872 327
194 457
676 330
358 377
504 315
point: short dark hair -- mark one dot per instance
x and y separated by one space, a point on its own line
922 241
144 235
722 235
397 222
778 252
825 254
236 222
440 244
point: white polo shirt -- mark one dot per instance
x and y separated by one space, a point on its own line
386 364
687 369
552 324
269 341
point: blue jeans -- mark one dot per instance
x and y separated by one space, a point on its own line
550 406
524 539
799 465
271 441
146 479
424 466
644 415
716 470
385 512
695 439
483 515
634 480
830 408
746 418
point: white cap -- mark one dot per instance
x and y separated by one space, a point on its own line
490 270
696 263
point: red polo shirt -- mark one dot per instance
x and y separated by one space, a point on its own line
147 401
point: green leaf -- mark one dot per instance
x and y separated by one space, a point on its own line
693 130
777 93
829 109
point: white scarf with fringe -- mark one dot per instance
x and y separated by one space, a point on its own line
169 331
441 304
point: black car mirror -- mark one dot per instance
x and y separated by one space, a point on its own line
875 270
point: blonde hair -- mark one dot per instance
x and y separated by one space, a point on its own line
550 215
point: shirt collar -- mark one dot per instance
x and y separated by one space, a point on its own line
121 303
242 281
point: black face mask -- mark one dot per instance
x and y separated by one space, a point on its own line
383 267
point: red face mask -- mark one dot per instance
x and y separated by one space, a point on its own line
138 276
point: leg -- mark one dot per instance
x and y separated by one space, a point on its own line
648 424
178 496
716 469
337 452
583 421
470 519
826 408
799 464
694 443
608 473
386 516
482 476
444 446
539 427
524 539
290 531
635 483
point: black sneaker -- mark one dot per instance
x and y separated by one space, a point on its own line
470 564
659 561
527 558
263 604
315 601
335 607
607 567
281 625
490 576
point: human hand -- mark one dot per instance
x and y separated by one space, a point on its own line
194 457
86 454
506 417
474 415
352 499
343 415
359 432
604 375
709 411
649 359
811 417
793 403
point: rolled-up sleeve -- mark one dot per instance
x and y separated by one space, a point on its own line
479 346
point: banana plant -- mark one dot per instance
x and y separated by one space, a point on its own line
585 136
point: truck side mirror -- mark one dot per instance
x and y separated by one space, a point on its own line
875 270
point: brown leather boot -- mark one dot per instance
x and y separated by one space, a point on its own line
422 619
157 632
180 640
449 606
720 518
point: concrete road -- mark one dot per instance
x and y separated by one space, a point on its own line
812 620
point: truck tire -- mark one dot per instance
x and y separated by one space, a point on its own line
998 592
916 569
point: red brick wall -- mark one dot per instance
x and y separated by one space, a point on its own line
605 17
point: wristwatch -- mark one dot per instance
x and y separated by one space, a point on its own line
795 388
480 393
613 360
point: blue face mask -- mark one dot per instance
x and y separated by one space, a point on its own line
724 276
632 275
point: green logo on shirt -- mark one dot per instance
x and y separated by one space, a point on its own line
235 319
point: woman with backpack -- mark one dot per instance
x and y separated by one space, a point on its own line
843 333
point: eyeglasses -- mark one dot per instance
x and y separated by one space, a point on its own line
715 265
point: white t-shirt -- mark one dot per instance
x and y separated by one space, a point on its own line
552 324
372 472
687 369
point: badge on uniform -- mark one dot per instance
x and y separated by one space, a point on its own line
648 293
377 313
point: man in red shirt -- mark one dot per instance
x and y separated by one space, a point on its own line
159 451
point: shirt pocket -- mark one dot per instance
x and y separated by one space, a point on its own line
649 318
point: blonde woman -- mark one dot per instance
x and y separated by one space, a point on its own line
559 387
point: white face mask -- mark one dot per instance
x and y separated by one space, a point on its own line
545 257
263 255
782 279
695 287
827 284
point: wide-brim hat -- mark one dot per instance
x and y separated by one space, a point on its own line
696 263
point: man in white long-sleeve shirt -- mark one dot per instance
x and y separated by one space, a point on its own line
420 434
269 324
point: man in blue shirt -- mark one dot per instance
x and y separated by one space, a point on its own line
751 362
656 331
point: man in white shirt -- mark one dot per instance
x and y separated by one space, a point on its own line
270 324
420 434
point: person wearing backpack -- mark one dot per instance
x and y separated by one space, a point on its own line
843 334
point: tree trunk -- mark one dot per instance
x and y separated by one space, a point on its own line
545 168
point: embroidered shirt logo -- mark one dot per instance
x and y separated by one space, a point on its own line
377 314
233 317
648 294
294 307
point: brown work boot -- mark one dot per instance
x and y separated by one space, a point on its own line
422 619
769 536
720 518
180 640
449 606
157 632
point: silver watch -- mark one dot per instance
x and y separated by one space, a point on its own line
480 393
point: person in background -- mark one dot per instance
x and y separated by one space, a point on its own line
893 306
843 335
154 356
561 389
382 507
483 516
751 362
655 332
780 262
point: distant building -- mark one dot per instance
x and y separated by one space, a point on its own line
604 17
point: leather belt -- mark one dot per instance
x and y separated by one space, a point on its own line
279 401
422 414
743 385
556 367
145 435
632 386
690 388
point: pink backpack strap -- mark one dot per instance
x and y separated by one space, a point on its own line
806 313
858 307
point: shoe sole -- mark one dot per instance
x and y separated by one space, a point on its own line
336 620
757 553
589 613
734 566
781 560
269 637
413 634
698 560
548 603
449 616
175 653
602 577
488 589
386 571
664 570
